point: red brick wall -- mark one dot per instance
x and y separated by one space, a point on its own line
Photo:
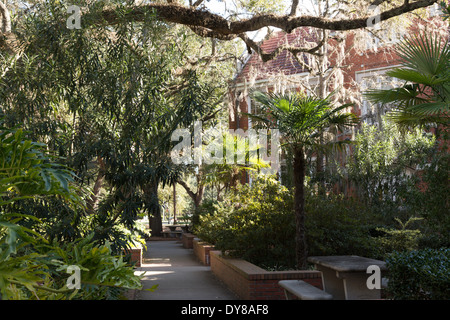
202 251
355 62
251 282
136 256
238 120
187 240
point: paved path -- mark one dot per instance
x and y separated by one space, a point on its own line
178 274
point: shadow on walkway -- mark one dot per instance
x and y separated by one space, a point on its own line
178 274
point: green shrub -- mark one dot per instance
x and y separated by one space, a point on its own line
211 225
419 275
338 226
433 200
401 239
377 167
255 223
207 207
39 270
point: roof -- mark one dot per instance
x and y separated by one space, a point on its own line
283 63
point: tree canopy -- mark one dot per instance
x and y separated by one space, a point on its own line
236 22
106 101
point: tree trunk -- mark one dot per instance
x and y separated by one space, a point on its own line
154 210
299 208
174 203
323 89
197 202
196 197
155 222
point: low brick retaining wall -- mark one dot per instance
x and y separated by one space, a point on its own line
136 255
187 240
250 282
202 250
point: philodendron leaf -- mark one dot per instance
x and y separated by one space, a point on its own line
47 180
153 288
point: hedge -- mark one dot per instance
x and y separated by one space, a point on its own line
419 274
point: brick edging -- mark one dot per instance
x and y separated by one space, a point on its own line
202 250
250 282
136 255
187 240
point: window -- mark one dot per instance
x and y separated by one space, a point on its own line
374 79
384 38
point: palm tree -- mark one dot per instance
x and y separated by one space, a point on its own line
424 99
302 121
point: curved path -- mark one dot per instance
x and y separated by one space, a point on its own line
178 274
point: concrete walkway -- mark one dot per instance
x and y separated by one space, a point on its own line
178 274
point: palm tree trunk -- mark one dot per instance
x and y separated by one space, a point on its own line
299 208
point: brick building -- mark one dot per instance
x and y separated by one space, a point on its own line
354 64
362 61
360 70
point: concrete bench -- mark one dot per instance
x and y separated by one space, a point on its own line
303 290
171 234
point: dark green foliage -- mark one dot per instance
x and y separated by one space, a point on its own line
399 175
106 99
403 238
31 264
339 226
255 223
377 168
445 7
25 169
103 275
419 275
433 200
208 206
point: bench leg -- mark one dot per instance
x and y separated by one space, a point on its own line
332 284
286 294
356 288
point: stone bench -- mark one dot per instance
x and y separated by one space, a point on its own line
303 290
171 234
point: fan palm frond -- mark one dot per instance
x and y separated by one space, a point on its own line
425 96
301 119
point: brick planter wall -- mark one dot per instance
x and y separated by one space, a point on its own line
136 256
250 282
202 251
187 240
